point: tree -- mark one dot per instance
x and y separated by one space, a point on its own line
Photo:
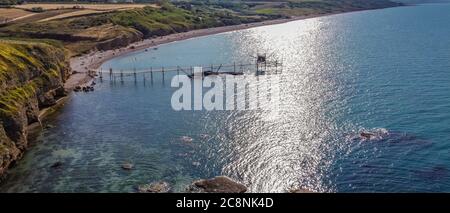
7 2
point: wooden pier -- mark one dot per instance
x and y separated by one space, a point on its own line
259 68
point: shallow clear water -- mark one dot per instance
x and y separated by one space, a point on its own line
384 71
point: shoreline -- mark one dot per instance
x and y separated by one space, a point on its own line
92 61
81 65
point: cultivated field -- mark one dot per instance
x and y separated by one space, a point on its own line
10 14
74 14
60 10
102 7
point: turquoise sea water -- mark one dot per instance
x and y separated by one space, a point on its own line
385 71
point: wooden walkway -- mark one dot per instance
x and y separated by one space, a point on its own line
259 68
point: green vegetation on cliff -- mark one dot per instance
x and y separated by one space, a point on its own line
170 19
32 73
27 69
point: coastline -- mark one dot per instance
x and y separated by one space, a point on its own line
82 65
92 61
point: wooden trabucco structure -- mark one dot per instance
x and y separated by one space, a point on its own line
261 67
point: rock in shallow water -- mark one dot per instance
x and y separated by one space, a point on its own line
155 187
56 165
186 139
220 184
127 166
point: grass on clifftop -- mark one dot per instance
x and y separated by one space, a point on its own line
170 19
24 67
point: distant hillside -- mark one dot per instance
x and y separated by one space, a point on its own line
7 2
421 1
83 28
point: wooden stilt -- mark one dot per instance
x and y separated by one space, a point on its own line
151 74
162 70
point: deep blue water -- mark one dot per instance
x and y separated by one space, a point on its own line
386 72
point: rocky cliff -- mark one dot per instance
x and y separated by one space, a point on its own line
31 79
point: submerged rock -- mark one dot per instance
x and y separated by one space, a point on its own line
155 187
127 166
220 184
366 135
56 165
186 139
377 134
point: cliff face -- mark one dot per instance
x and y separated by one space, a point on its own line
127 37
31 78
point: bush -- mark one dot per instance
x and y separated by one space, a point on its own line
7 2
37 9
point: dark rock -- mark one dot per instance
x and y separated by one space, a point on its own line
220 184
15 126
8 151
56 165
155 187
367 135
60 92
32 111
47 99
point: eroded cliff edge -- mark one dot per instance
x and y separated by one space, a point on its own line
32 75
